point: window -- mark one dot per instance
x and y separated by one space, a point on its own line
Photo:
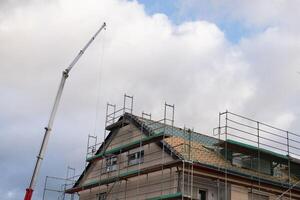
111 164
101 196
202 195
136 158
255 196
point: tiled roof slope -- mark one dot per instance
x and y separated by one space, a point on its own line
203 150
202 154
179 132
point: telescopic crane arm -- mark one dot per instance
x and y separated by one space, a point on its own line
48 129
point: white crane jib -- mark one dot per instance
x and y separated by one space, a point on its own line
41 154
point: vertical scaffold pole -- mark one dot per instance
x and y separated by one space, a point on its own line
258 152
289 161
45 187
182 179
219 137
226 156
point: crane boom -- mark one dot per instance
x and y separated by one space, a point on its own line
43 147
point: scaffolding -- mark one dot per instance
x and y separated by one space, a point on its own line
110 180
246 140
171 179
55 187
155 160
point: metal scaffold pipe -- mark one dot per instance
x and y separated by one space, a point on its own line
48 129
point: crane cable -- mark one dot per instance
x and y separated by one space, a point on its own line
99 84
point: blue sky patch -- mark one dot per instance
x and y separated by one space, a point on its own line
234 30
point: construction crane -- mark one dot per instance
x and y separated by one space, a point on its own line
65 74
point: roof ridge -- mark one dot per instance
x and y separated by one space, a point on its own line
140 119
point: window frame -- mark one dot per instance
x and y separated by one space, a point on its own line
111 164
102 196
138 158
199 193
257 196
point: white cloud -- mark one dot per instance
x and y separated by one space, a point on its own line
284 120
192 65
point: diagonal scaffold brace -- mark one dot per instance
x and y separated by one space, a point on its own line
65 74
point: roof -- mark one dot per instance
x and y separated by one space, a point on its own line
179 132
200 153
203 148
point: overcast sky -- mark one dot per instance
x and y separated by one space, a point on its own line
204 57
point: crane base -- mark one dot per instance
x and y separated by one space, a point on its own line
28 194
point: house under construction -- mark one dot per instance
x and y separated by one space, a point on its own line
142 158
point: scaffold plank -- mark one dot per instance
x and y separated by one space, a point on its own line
167 196
123 176
129 146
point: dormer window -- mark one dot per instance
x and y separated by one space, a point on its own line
249 162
